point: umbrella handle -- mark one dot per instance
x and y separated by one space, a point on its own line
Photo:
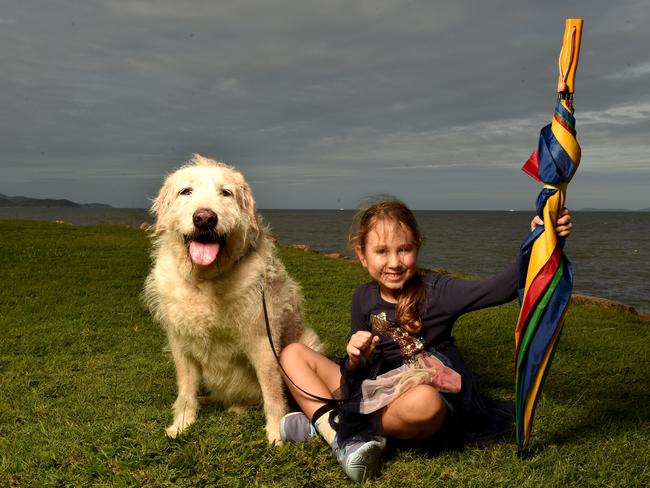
568 60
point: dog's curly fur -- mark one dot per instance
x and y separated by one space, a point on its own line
213 313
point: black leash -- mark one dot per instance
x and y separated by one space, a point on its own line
277 359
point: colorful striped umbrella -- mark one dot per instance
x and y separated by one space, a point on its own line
545 275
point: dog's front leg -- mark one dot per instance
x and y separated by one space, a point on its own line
268 375
188 379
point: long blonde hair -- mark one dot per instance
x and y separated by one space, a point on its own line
390 209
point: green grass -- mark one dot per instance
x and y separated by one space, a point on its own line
87 387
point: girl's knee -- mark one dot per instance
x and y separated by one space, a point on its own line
292 353
297 354
417 414
424 405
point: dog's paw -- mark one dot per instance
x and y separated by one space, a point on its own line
173 431
274 440
273 433
178 427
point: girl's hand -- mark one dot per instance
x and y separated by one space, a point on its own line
361 342
563 226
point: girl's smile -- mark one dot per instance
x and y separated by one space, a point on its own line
390 256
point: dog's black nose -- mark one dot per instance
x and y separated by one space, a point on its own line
204 218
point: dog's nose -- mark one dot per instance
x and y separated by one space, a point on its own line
204 218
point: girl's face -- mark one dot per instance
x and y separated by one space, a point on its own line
390 256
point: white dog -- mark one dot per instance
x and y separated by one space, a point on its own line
213 256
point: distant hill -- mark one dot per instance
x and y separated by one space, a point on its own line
20 201
589 209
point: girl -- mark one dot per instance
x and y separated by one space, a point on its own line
403 377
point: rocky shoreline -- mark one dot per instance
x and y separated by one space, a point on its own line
599 302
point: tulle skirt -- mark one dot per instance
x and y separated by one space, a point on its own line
423 370
471 418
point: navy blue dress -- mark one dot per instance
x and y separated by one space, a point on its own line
472 417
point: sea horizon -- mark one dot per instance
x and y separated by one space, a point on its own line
21 201
609 249
96 206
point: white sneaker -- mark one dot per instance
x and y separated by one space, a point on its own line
361 459
296 427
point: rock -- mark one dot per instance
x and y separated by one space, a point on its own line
605 303
434 271
336 255
302 247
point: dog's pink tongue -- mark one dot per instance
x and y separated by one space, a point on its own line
203 254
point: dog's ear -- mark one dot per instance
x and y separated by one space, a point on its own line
247 203
161 204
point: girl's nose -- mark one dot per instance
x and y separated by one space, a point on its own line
394 260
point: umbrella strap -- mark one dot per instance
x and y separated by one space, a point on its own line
556 186
569 39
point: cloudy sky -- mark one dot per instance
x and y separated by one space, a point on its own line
319 102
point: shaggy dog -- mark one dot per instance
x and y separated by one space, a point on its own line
212 258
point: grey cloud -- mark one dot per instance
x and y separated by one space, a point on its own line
310 92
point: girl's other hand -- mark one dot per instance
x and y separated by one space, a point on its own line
361 342
563 226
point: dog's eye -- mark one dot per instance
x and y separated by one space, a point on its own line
185 191
226 192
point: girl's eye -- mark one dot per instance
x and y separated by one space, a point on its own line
226 192
185 191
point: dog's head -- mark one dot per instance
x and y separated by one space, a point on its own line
207 208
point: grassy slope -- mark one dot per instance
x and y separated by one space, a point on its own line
87 388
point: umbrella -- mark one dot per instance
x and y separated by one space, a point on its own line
545 274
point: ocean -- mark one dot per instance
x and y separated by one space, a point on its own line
609 250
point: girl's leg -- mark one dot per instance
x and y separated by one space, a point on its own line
415 415
316 374
312 372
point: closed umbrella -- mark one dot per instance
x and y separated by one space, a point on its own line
545 275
